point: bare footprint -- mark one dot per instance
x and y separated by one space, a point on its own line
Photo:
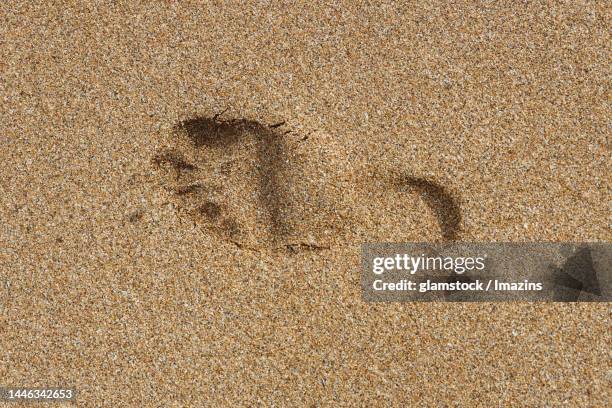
241 180
262 186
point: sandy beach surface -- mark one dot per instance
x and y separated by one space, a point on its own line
146 263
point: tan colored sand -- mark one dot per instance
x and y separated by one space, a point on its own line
108 284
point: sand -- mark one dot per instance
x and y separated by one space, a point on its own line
147 265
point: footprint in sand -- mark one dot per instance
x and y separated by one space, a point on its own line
244 181
240 180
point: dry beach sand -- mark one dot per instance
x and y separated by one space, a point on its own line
185 188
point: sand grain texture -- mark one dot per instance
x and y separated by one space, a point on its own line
482 121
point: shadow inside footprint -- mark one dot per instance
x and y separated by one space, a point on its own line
441 202
220 146
222 134
211 132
